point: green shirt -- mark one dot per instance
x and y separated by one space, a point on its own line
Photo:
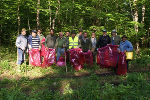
60 42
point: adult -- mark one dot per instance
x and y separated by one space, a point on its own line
21 43
74 41
34 41
67 39
60 45
39 33
50 40
115 39
93 42
103 40
80 35
85 43
125 46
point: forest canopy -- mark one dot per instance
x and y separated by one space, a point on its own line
129 17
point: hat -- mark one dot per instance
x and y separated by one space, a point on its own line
114 31
104 30
34 31
124 36
23 29
73 32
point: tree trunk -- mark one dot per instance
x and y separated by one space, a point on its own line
135 18
57 8
50 15
29 25
143 14
18 16
38 13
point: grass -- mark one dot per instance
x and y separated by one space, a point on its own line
53 83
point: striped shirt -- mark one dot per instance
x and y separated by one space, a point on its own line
35 42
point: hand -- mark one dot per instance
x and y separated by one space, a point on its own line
119 51
39 48
125 51
30 48
27 51
46 48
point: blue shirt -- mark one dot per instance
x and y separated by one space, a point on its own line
125 46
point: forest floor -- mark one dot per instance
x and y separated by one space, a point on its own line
33 80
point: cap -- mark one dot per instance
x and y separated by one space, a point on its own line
124 36
104 30
23 29
114 31
34 31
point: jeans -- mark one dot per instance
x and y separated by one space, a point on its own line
60 51
20 56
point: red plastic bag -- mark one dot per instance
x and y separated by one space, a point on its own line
61 62
88 58
49 57
122 64
34 57
76 58
107 56
113 49
43 48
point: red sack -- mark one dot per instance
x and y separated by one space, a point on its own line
61 62
76 58
34 57
107 56
49 57
43 48
88 58
122 64
103 57
113 49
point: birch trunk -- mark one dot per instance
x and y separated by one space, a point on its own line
38 13
18 16
57 9
143 14
50 15
135 18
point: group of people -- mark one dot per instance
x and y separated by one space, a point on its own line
64 42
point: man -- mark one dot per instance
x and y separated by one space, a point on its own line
80 35
21 43
85 43
50 40
93 42
115 39
67 39
125 46
60 45
73 41
103 40
67 34
34 41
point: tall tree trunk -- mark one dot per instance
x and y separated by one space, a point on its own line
18 16
29 25
50 15
38 13
57 8
135 18
143 14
